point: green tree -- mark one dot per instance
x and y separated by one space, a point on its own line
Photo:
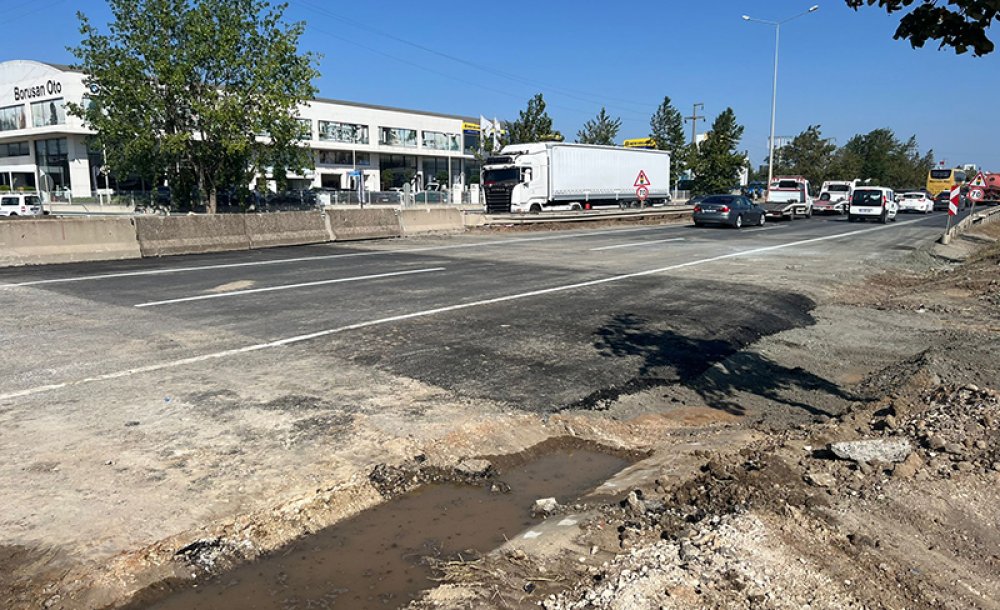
958 24
881 157
601 130
202 92
667 128
717 164
533 124
809 154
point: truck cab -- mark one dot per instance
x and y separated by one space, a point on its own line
509 180
788 197
834 196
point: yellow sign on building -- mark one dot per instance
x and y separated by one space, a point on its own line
640 143
466 126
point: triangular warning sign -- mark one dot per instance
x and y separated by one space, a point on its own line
979 182
642 180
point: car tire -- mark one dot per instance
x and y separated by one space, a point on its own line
852 218
884 218
763 220
698 224
738 223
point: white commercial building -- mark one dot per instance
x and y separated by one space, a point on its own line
42 147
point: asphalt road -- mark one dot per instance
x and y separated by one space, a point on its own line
542 321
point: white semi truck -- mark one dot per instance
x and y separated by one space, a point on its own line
530 178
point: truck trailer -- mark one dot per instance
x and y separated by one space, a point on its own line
530 178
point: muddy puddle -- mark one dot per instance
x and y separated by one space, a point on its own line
378 559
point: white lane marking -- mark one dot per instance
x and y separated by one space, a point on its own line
771 228
636 245
321 257
237 293
431 312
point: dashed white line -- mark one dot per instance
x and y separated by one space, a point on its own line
431 312
636 245
322 257
237 293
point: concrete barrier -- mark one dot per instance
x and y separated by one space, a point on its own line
168 235
419 221
286 229
369 223
66 240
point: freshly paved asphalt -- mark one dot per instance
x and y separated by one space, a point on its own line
527 318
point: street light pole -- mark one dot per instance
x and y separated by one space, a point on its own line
774 87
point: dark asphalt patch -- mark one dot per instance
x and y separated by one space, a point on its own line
582 351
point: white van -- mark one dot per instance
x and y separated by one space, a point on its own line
20 204
873 203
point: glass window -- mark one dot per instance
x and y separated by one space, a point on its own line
53 164
14 149
436 140
348 133
307 129
940 174
11 118
343 157
396 136
49 112
471 142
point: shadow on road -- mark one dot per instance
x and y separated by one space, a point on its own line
713 368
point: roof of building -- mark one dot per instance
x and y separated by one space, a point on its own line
67 68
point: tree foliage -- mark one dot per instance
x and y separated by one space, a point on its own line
881 157
958 24
201 92
809 154
533 124
667 128
717 164
601 130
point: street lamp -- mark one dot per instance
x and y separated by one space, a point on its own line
774 91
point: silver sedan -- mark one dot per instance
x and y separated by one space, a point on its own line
732 210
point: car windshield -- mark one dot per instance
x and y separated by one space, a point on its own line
788 184
867 198
719 199
838 188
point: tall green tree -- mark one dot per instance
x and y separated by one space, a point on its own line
717 164
879 156
667 128
958 24
533 124
809 154
603 130
202 92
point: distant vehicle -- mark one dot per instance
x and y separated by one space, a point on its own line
992 190
941 180
943 201
21 204
834 196
788 197
732 210
529 178
755 190
873 203
915 201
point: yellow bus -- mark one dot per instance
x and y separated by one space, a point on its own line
940 180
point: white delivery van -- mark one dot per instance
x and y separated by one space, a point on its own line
21 204
873 203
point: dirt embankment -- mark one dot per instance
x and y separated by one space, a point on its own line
891 504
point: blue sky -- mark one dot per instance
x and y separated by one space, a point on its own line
838 68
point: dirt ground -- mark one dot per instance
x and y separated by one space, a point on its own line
786 522
741 503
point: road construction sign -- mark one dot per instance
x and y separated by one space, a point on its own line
642 179
642 193
976 194
956 194
979 182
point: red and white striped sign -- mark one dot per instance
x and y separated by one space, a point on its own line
956 193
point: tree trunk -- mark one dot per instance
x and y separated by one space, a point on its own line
210 208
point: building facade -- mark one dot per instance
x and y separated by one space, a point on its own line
43 147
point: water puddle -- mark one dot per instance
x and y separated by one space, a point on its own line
376 559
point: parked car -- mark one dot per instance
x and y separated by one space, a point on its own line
733 210
873 203
916 201
21 204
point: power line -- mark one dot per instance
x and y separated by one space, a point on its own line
565 92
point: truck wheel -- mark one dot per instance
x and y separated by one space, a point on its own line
809 213
575 207
535 209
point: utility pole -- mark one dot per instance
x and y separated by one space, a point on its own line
694 118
